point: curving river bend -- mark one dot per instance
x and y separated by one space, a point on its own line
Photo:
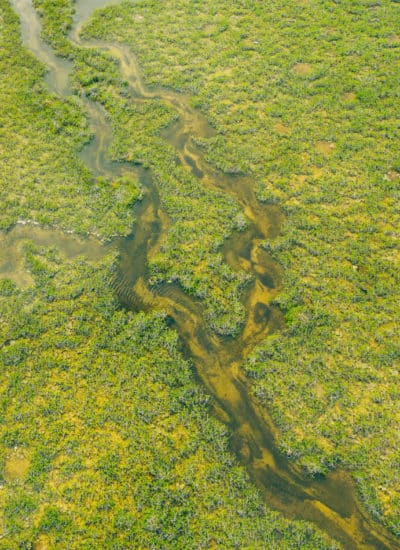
331 502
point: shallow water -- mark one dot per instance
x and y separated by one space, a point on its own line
70 246
330 502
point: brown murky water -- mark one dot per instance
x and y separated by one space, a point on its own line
330 502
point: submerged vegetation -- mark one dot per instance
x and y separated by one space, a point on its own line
43 181
200 218
304 98
106 439
105 434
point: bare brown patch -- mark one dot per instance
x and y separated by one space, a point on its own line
210 29
316 172
303 69
325 147
282 129
298 180
228 71
16 466
392 175
394 39
348 97
42 543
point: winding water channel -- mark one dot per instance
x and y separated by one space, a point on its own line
330 502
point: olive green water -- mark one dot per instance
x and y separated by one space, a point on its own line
330 502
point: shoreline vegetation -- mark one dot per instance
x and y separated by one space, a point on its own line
316 131
41 135
315 124
106 438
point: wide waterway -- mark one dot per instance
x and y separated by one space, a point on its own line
330 502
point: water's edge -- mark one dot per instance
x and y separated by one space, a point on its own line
331 502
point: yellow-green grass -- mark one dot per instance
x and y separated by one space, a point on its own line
304 98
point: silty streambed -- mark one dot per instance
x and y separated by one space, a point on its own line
330 502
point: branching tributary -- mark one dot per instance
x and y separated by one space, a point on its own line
330 502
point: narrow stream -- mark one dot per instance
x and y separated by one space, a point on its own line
330 502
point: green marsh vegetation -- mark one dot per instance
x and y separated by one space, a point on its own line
105 437
43 180
190 252
304 98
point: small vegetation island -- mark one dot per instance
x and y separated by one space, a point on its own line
199 274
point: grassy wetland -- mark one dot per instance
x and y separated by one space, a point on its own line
238 199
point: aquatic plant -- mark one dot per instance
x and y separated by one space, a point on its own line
304 98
